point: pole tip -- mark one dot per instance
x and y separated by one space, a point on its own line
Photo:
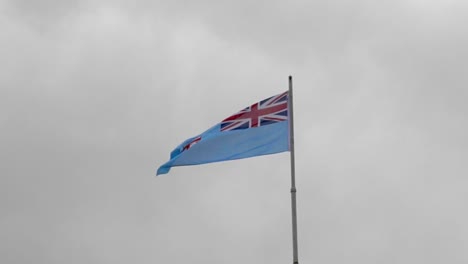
290 77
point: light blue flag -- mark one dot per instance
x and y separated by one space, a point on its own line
259 129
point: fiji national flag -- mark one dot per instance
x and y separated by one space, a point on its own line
259 129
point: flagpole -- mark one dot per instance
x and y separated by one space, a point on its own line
293 172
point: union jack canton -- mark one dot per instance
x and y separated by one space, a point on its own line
269 111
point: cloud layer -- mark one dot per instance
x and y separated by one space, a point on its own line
95 94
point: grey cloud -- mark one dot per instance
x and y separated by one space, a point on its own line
94 95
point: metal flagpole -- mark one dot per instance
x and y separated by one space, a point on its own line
293 172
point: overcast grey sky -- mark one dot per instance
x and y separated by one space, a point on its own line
95 94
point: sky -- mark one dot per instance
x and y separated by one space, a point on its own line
95 94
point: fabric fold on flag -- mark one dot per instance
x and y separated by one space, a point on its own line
260 129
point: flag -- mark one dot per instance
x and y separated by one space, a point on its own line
259 129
